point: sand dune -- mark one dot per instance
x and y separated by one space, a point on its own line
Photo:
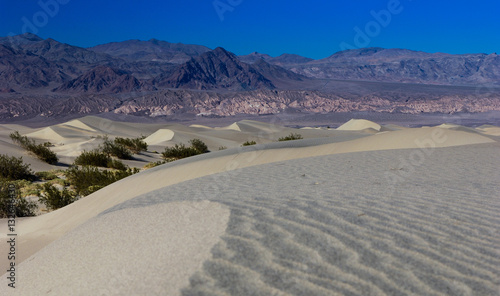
489 130
74 149
157 229
233 126
79 124
47 134
350 214
359 124
160 137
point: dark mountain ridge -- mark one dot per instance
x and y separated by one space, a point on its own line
151 50
221 69
44 76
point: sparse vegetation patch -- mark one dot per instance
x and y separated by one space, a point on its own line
13 168
39 150
88 179
291 137
179 151
249 143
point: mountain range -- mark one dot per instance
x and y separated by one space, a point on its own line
45 68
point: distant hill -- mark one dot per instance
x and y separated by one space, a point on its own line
289 59
406 66
253 57
282 60
151 50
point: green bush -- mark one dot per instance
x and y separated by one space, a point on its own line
13 168
40 150
117 165
94 158
22 207
249 143
179 151
47 176
54 198
99 159
291 137
135 145
120 151
43 153
199 146
22 141
86 179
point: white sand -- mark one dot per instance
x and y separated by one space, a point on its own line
159 137
66 226
359 124
127 252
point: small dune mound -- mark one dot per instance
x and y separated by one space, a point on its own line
457 127
359 125
200 126
79 124
234 127
47 134
489 130
256 126
75 149
160 136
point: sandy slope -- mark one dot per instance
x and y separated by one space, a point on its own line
359 124
305 219
70 139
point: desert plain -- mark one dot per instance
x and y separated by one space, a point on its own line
361 209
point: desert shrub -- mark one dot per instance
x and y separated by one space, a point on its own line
249 143
85 179
99 159
94 188
54 198
291 137
22 207
154 164
94 158
40 150
222 148
31 189
46 176
43 153
135 145
22 141
114 149
13 168
199 146
179 151
117 165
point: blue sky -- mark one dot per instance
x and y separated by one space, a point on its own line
310 28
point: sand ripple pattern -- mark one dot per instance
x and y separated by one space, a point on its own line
331 225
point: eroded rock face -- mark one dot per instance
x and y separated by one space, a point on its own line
270 102
254 102
102 79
